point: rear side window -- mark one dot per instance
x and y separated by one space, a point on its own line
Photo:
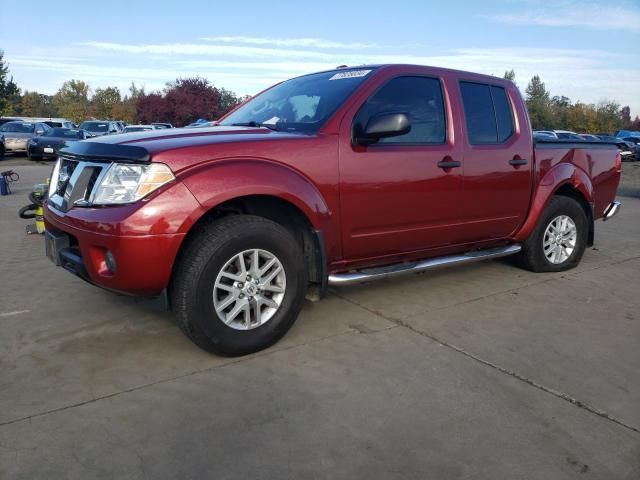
488 113
420 98
504 113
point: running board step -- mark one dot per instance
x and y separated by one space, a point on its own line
378 273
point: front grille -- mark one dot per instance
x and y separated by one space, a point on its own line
92 181
75 182
67 167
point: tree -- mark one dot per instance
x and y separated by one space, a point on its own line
608 116
152 107
625 114
72 100
559 109
9 91
582 118
184 101
34 104
510 75
126 109
228 100
103 102
538 103
191 98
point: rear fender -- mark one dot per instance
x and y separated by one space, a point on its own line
560 175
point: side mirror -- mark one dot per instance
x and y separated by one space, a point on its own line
39 131
383 125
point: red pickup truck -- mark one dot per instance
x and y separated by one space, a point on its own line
332 178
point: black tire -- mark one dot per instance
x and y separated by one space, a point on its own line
35 158
532 256
1 152
191 290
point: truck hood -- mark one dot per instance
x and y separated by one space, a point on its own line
143 146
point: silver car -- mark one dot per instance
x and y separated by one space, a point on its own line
17 134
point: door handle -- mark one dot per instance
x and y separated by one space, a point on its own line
516 162
449 164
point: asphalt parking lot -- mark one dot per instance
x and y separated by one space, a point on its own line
484 371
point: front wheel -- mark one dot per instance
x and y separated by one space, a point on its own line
239 285
559 241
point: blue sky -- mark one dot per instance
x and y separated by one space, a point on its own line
587 50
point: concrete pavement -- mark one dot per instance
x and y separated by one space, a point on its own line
485 371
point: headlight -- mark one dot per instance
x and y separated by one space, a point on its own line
126 183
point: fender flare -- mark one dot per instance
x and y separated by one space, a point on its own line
217 182
557 177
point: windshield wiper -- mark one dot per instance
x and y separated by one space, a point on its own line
252 123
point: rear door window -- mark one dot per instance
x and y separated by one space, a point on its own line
488 113
504 113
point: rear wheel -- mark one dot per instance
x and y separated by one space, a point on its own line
558 242
239 285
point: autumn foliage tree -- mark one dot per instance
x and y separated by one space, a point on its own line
72 100
184 101
104 101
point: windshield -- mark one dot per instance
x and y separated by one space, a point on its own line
63 132
18 127
302 104
95 126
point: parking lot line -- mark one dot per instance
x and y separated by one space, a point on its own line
11 314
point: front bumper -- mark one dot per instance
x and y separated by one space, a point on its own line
15 146
129 249
35 151
139 265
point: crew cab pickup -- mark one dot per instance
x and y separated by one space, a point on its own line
327 179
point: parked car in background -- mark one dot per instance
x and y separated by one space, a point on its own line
47 144
17 134
542 135
636 145
198 123
589 137
568 135
4 120
1 146
627 152
59 123
162 125
332 178
52 122
548 133
140 128
627 133
97 128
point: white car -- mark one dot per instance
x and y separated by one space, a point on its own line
140 128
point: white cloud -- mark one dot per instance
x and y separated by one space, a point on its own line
290 42
205 49
586 75
575 15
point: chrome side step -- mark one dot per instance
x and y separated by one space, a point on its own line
611 210
378 273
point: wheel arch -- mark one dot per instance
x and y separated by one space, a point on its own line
278 210
567 180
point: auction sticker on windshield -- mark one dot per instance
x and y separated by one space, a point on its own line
350 74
